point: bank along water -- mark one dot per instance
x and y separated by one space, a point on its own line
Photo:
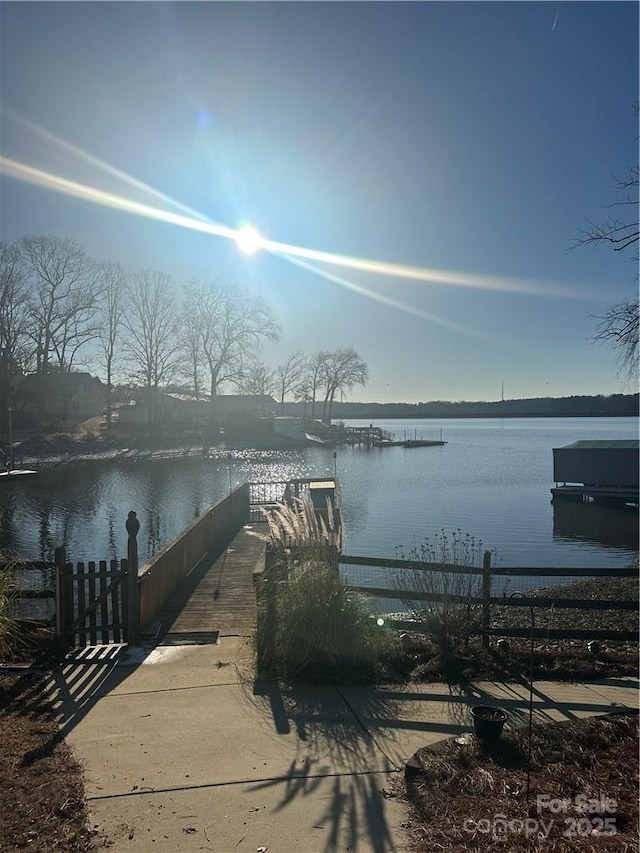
490 482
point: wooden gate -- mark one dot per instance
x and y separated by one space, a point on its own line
91 601
99 602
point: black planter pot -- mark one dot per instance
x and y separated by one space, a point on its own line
488 722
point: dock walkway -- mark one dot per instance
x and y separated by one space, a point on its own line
219 596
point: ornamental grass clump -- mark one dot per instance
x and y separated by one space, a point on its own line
9 633
312 626
324 631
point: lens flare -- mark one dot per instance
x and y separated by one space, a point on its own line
386 300
248 239
20 171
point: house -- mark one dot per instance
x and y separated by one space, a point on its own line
185 409
72 397
233 406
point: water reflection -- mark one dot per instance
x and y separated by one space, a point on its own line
492 481
615 528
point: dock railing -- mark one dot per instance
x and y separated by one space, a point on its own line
204 537
342 434
267 495
379 577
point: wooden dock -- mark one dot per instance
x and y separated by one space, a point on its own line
410 442
216 598
366 436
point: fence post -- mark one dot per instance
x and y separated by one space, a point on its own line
133 598
61 599
486 595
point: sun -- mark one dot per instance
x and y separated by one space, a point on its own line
248 239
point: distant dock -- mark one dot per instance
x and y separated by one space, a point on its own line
411 442
372 436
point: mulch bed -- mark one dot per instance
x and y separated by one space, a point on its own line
560 660
583 791
42 803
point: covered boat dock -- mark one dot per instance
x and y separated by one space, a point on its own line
597 472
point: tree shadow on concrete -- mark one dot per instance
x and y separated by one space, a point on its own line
350 741
347 751
71 690
337 761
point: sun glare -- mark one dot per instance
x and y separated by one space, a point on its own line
248 239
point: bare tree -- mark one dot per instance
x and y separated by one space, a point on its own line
620 324
257 378
303 394
619 327
191 338
341 370
290 374
14 348
315 374
152 340
13 305
112 283
232 325
63 300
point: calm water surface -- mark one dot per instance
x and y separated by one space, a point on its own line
491 480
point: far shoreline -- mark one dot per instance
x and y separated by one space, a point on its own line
472 416
63 448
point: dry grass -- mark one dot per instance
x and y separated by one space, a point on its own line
473 797
9 625
298 525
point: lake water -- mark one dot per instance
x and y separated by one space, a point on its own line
492 481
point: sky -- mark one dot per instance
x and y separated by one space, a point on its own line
471 141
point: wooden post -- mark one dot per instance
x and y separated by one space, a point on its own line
486 595
61 603
133 598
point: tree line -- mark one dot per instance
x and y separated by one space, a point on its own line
60 311
536 407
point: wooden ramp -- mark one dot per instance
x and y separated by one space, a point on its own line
219 597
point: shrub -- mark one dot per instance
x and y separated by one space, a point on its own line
323 630
311 625
452 615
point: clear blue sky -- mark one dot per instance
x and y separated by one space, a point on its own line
472 137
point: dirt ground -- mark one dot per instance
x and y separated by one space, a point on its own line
42 805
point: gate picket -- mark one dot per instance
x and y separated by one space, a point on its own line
93 637
116 614
80 584
124 596
104 607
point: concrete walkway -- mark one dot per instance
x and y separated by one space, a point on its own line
184 751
